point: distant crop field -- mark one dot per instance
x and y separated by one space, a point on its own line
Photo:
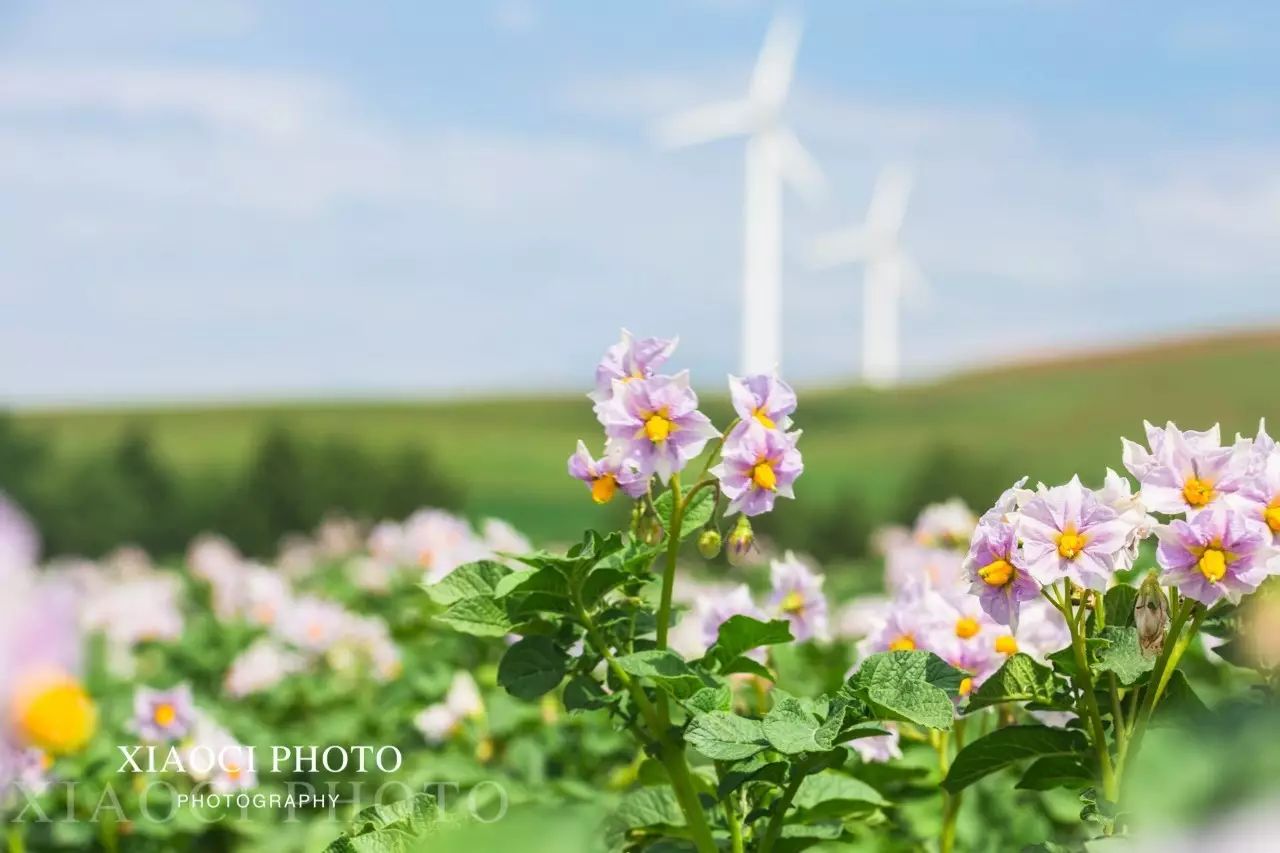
1047 420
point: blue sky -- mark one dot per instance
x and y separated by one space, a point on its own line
229 199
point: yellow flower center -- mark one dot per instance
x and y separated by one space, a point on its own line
763 476
658 426
794 602
233 772
484 751
996 573
966 686
1213 564
1198 492
1006 645
603 487
763 418
56 715
164 715
966 627
1271 515
905 643
1071 542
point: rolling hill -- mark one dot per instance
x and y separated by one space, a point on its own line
1047 419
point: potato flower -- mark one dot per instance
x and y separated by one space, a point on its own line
1185 471
1218 554
604 476
797 597
163 715
997 574
758 465
630 359
655 423
1067 532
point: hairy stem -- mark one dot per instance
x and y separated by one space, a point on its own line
1084 684
780 807
1175 645
669 569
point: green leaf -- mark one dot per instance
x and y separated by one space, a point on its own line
1019 679
646 808
478 616
740 634
747 665
722 736
532 667
1123 656
790 729
696 514
718 698
1119 602
754 769
1178 702
584 693
664 668
599 582
1057 771
833 794
897 686
392 828
467 581
544 580
1008 745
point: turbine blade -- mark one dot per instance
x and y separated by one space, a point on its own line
799 168
837 248
703 124
771 79
889 200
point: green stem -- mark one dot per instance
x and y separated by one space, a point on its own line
1119 730
951 802
670 751
1084 684
731 817
780 807
669 569
1175 645
17 844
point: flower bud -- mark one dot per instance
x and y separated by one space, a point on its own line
741 542
651 531
1151 616
709 543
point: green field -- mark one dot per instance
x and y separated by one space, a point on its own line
1047 419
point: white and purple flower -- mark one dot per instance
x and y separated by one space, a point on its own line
655 422
1218 554
996 573
1185 471
604 476
797 597
630 359
1067 532
163 715
762 399
757 466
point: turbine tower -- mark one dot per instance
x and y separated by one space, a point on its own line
773 155
889 271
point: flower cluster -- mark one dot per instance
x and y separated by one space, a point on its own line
795 595
1223 505
653 428
933 607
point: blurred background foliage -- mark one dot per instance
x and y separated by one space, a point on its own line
156 476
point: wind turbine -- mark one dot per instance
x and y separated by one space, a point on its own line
773 155
889 271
